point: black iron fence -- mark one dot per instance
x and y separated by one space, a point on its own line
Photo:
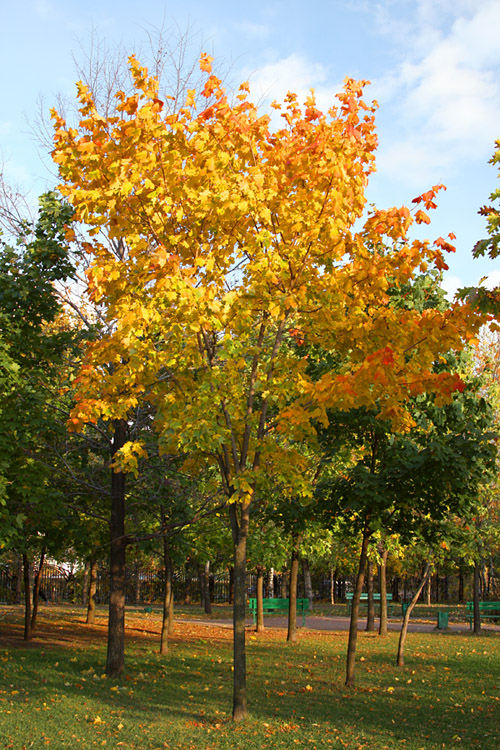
147 587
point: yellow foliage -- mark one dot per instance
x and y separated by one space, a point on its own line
233 235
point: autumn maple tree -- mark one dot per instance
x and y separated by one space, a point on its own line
238 239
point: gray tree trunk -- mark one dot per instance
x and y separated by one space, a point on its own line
292 594
353 628
92 591
382 628
115 657
240 521
370 619
308 589
404 627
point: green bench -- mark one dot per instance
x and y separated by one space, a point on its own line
364 600
486 610
279 605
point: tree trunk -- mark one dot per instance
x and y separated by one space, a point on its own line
370 619
475 597
115 658
92 591
171 608
332 585
85 584
240 520
404 627
167 596
137 583
206 589
382 628
187 585
285 583
353 627
36 591
308 589
201 584
270 583
395 589
19 581
292 594
428 588
260 597
27 598
230 598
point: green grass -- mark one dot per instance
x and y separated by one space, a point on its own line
423 612
447 696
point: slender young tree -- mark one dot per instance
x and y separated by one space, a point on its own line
241 240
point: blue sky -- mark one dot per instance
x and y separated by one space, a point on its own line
434 67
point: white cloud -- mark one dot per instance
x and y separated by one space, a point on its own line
297 74
446 89
451 284
492 280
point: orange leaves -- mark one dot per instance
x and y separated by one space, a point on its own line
444 245
229 240
428 198
206 62
422 218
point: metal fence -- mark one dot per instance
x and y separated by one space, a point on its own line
147 587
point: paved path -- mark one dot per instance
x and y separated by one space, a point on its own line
342 623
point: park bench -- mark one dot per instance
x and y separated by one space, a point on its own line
486 610
279 605
364 600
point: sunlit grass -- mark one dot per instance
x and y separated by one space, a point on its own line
448 695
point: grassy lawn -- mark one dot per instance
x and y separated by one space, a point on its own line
53 693
423 612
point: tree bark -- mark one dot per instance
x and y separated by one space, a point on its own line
353 627
85 584
19 581
285 583
206 589
260 597
370 619
292 593
167 596
332 585
171 606
36 591
270 583
492 577
395 589
308 589
475 598
406 619
460 585
137 583
230 598
92 591
428 588
115 658
27 598
240 520
382 628
201 584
